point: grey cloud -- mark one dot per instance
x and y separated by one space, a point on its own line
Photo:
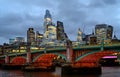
110 2
13 25
10 19
73 13
40 3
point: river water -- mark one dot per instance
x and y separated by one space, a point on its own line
106 72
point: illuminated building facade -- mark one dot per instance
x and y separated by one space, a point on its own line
19 39
109 32
30 36
79 37
11 41
51 33
92 39
39 37
49 27
103 31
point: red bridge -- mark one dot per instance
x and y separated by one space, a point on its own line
83 56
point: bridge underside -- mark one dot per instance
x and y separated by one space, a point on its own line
92 59
18 61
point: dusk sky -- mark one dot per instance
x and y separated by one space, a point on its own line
16 16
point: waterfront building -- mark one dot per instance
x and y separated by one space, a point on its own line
104 31
30 36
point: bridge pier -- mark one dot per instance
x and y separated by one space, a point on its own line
29 57
69 70
29 60
7 59
69 52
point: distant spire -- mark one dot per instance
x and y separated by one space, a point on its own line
47 14
79 37
92 32
114 37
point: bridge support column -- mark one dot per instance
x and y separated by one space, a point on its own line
70 55
28 56
7 59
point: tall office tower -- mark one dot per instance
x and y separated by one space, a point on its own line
51 32
80 34
61 35
103 31
49 27
30 36
39 37
109 32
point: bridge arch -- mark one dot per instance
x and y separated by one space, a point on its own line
95 55
58 54
19 60
46 60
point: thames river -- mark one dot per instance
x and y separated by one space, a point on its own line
106 72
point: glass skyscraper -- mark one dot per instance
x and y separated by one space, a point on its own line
49 27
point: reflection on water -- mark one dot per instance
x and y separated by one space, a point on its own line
11 73
106 72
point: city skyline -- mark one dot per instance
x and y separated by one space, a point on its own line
17 16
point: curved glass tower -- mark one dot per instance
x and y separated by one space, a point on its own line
49 27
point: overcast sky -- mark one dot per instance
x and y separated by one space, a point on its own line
16 16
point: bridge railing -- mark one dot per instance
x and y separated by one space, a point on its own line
20 50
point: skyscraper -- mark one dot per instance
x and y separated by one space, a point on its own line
39 37
47 20
61 35
49 27
30 36
103 31
109 32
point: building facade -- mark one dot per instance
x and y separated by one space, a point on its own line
49 27
61 35
103 31
30 36
80 34
39 38
19 39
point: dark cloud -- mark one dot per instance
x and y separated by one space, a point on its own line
10 19
18 15
86 15
13 25
110 2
